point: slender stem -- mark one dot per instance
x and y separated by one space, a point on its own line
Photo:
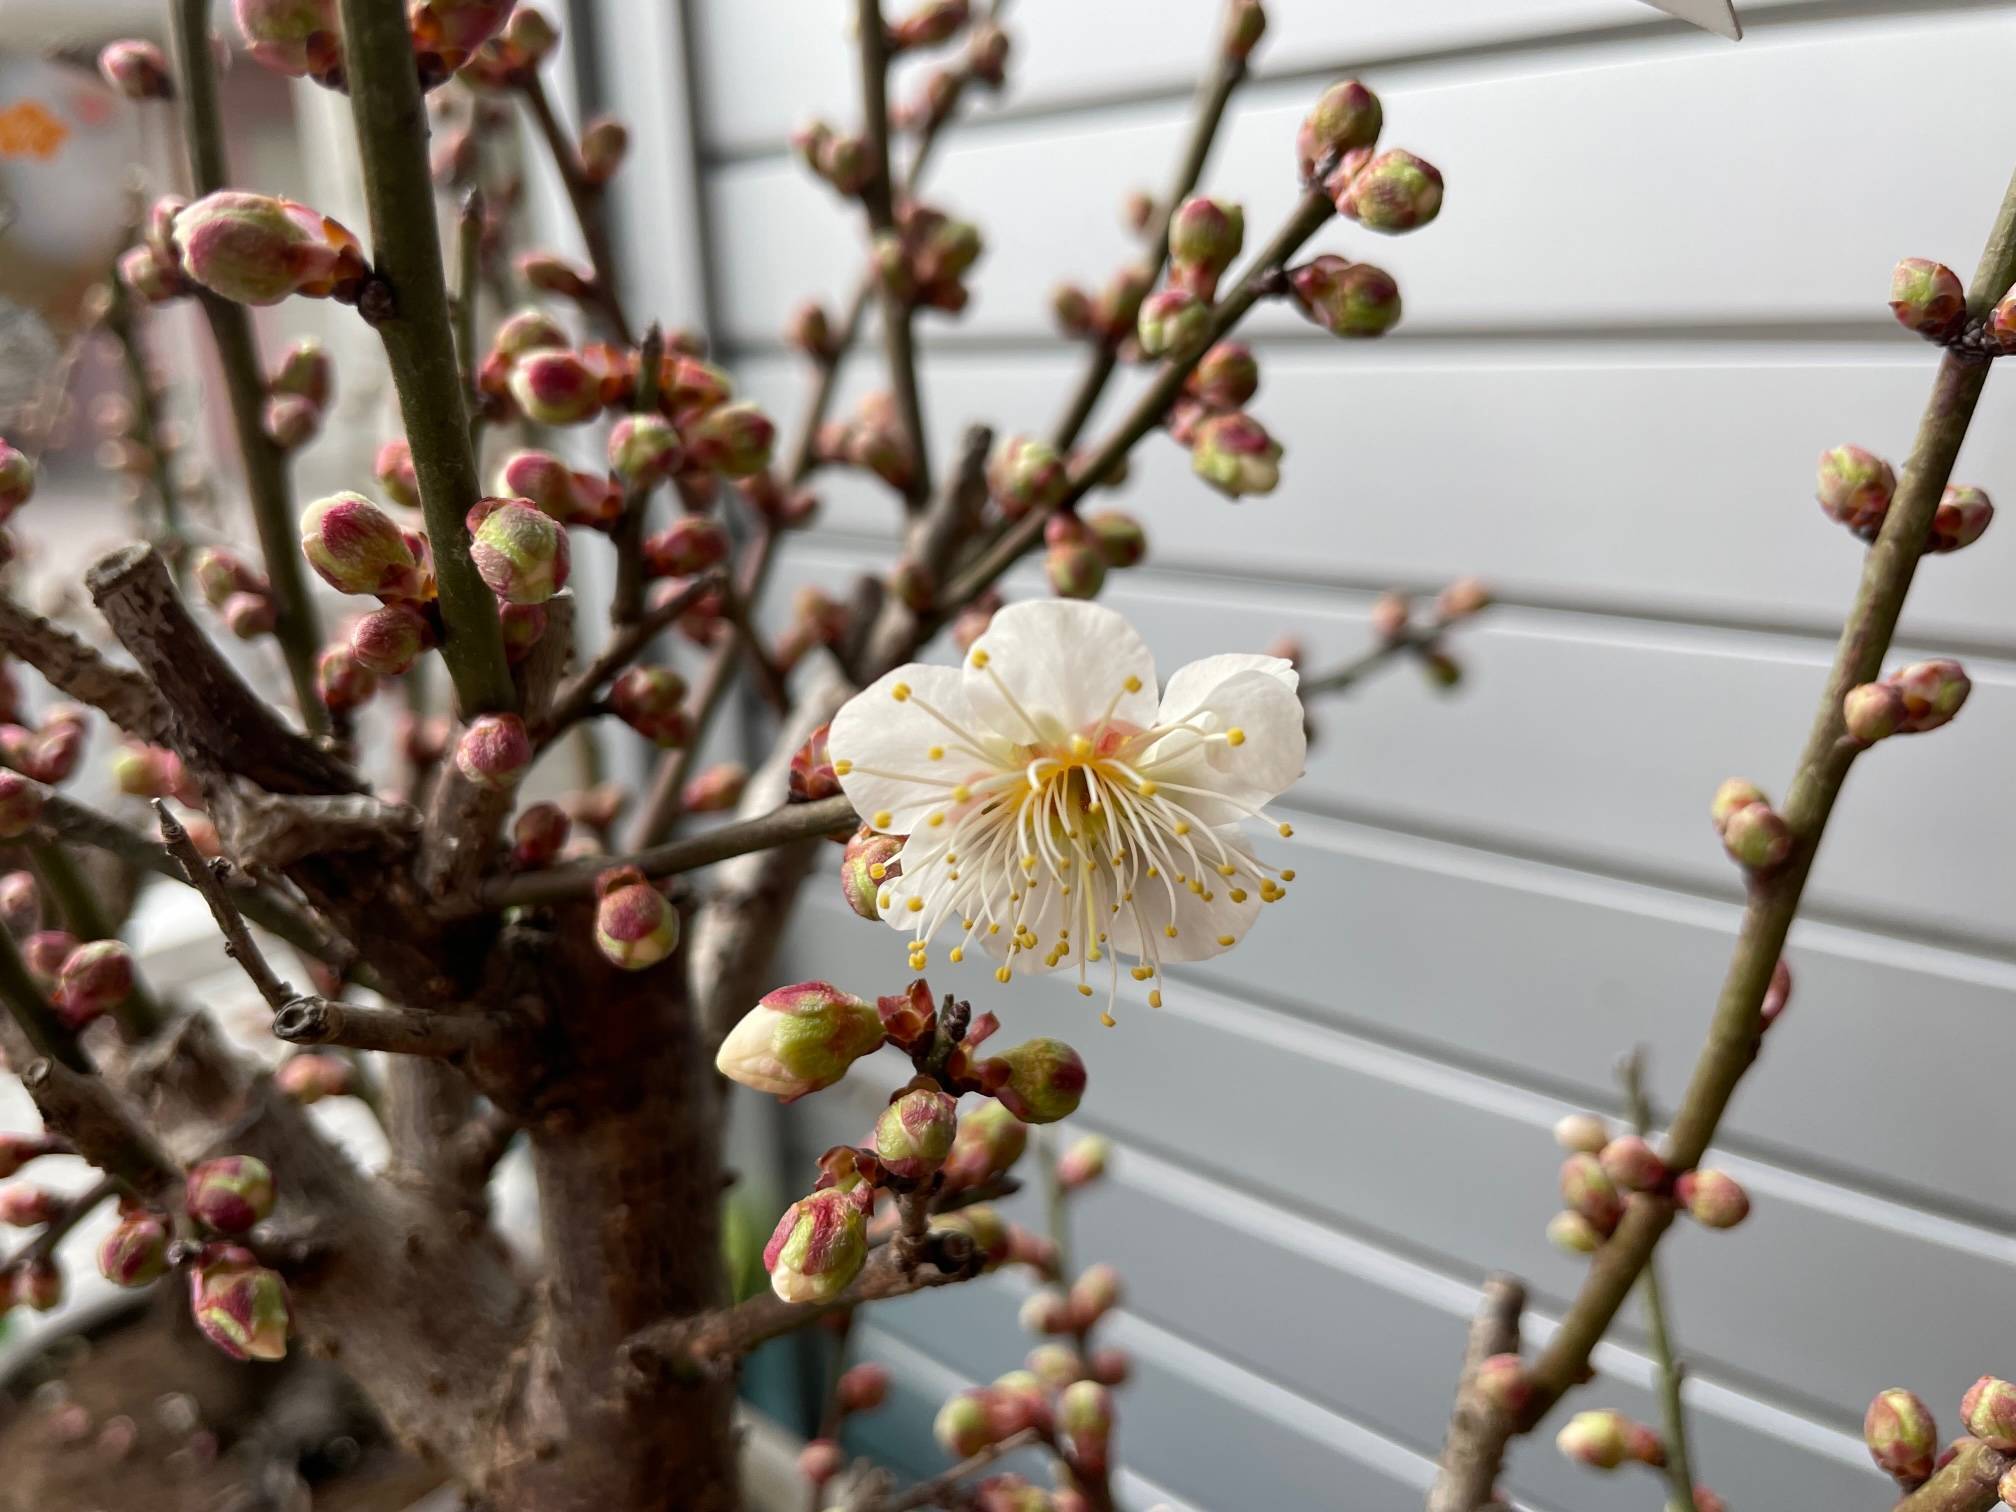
586 198
878 196
1967 1484
297 628
238 941
769 676
1213 94
1260 281
123 322
627 536
419 343
939 1488
1672 1370
1774 898
782 826
57 1229
1342 679
1056 1202
576 699
468 287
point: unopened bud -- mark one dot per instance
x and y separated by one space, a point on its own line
819 1246
1988 1411
25 1206
812 774
1076 571
820 1460
555 387
1962 518
38 1285
989 1142
527 331
538 835
1084 1163
799 1039
914 1134
1712 1199
358 548
605 142
291 422
1900 1433
1644 1445
1226 377
309 1078
811 332
1095 1293
862 1388
1595 1439
1873 712
297 37
1633 1164
44 953
240 1306
231 1194
20 914
1172 321
1046 1080
1347 117
1927 297
866 866
688 546
94 979
652 701
1085 1413
716 790
644 450
522 626
963 1426
137 69
494 751
395 474
1504 1382
520 552
254 249
1396 191
1118 307
1933 691
1587 1189
1071 308
1056 1365
1346 298
734 439
1757 837
388 641
1025 475
306 371
636 925
1573 1234
342 681
1234 454
136 1252
1205 238
17 479
1732 795
1856 487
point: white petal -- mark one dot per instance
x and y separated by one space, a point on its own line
1203 929
1190 687
873 729
1064 662
1257 702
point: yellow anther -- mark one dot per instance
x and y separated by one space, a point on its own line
1227 940
1153 872
1141 973
1182 828
842 768
1084 990
883 819
1147 790
1029 863
1155 999
1169 930
915 905
955 955
1235 736
1288 875
1133 684
1080 747
936 753
901 692
980 657
993 929
882 900
935 821
1287 830
1237 895
1195 887
1095 954
961 793
1106 1015
1228 870
877 871
1002 973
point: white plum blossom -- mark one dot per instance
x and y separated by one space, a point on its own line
1059 813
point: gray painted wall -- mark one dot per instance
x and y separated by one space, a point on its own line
1655 295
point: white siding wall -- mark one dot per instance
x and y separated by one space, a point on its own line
1656 293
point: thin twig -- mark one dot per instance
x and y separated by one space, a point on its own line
933 1491
1968 1483
76 670
396 1031
1672 1370
782 826
586 198
626 536
122 321
1343 678
769 676
419 343
468 293
238 941
1468 1473
576 699
1774 898
296 628
57 1229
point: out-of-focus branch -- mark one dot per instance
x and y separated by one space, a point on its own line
626 536
74 669
35 1022
296 627
1774 897
769 676
784 826
468 293
1967 1484
57 1229
412 322
586 198
1468 1475
238 942
576 699
939 1488
1342 679
396 1031
1672 1370
933 543
122 322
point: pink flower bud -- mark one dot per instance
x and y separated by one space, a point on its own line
1026 474
555 387
1118 307
1045 1312
1933 693
538 835
151 276
1962 518
1574 1234
1712 1199
932 23
137 69
1873 712
44 953
605 142
1076 571
255 249
1017 1401
799 1039
1085 1417
343 682
1245 24
1988 1411
1071 308
963 1426
523 625
527 331
20 914
811 331
1732 795
494 751
1205 238
302 38
1235 455
1633 1164
1927 297
733 439
240 1306
388 641
520 552
231 1194
1595 1439
812 773
94 978
1095 1293
136 1252
1346 298
715 790
1225 378
1084 1163
395 474
989 1142
644 450
1587 1189
25 1206
357 548
305 371
290 421
1644 1445
17 479
688 546
249 615
1172 322
1856 487
1055 1365
862 1388
1900 1433
914 1133
652 701
820 1460
447 33
1756 837
309 1078
1396 191
819 1246
1347 116
1046 1080
1503 1381
636 926
38 1285
150 772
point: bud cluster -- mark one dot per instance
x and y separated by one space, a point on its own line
1910 701
298 395
1755 835
1081 548
257 249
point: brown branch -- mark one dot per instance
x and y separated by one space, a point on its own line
783 826
934 542
586 198
396 1031
1468 1478
202 875
576 699
1679 1468
411 316
1967 1484
1342 679
57 1229
913 1227
1214 92
769 676
935 1490
734 1331
1774 897
879 198
1261 281
76 670
267 483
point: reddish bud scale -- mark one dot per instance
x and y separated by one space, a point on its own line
914 1133
494 751
1346 298
388 641
636 926
1962 518
1927 297
1396 191
342 680
716 790
522 626
538 835
137 69
1045 1081
1933 692
1235 455
136 1252
1503 1381
1633 1165
44 953
1901 1435
240 1306
1855 489
1988 1411
688 546
652 701
231 1194
394 470
1712 1198
94 978
818 1247
812 774
862 1388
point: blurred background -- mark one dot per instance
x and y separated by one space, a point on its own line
1655 295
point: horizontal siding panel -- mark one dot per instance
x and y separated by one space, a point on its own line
1676 213
1601 742
1385 1341
1462 1168
1064 52
1569 485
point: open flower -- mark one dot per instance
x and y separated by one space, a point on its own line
1057 813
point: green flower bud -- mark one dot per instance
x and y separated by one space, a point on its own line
1873 712
989 1142
1856 487
1205 238
1076 570
520 552
94 979
1757 837
652 701
1347 117
1963 516
342 681
799 1039
1732 795
306 371
1172 322
1026 474
357 548
1234 454
253 248
240 1306
1396 191
914 1134
137 69
1595 1439
1084 1163
636 925
1927 297
1574 1234
1900 1433
1588 1190
735 440
1504 1382
136 1252
219 574
1633 1165
963 1426
301 38
1346 298
1988 1411
230 1194
1713 1199
388 641
1226 377
1933 692
1046 1080
644 450
819 1246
